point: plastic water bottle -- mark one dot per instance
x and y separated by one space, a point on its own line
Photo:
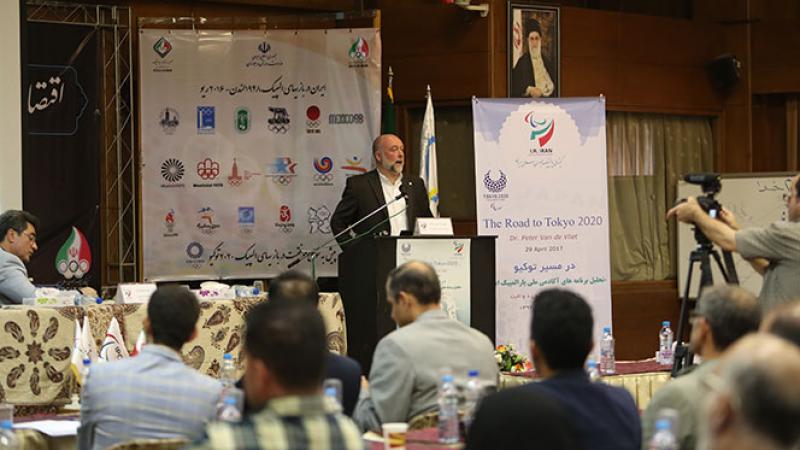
665 338
8 440
607 362
228 373
229 412
472 397
664 437
332 387
448 411
592 371
87 364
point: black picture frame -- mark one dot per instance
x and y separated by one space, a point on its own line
521 72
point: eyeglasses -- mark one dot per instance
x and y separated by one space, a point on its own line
31 236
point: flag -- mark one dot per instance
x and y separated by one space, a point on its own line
76 363
388 121
140 342
113 347
427 162
87 346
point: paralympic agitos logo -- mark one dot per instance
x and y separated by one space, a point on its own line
541 130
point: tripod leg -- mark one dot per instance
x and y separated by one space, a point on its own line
680 348
725 275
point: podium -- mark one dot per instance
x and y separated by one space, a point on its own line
363 269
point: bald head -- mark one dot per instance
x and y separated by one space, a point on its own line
389 153
784 321
761 396
417 279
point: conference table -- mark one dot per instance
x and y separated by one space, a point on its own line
36 344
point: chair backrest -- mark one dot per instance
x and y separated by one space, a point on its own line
151 444
424 420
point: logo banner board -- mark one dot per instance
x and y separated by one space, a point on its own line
542 189
247 141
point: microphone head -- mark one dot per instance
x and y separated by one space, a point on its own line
405 188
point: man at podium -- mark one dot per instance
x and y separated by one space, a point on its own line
400 199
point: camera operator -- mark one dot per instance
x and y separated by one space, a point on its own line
773 251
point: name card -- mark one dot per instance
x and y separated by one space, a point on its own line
433 226
134 292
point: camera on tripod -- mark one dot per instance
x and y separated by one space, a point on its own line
710 184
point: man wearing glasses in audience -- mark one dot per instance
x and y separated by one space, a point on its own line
17 244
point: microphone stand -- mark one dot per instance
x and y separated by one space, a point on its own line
312 255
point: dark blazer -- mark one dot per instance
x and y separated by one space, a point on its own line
349 372
604 417
522 75
363 194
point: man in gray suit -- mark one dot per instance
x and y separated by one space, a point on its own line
153 395
407 364
17 244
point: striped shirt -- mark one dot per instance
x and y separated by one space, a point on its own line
287 423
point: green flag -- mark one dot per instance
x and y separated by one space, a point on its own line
388 116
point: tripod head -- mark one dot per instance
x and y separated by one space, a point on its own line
711 185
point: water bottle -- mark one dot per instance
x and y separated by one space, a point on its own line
472 396
8 440
592 371
229 412
332 387
664 437
228 373
607 362
448 411
87 363
665 338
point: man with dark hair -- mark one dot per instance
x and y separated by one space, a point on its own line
407 364
773 251
723 315
754 402
17 244
297 286
153 395
601 416
285 361
362 195
533 74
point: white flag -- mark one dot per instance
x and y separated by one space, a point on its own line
88 349
113 347
140 342
427 162
76 362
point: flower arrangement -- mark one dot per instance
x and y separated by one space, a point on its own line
508 360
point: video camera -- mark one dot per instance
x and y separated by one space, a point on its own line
710 184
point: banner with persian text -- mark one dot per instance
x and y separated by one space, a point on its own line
247 140
542 188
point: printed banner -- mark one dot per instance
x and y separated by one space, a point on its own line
451 259
542 189
247 140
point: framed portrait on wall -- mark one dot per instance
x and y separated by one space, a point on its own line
534 44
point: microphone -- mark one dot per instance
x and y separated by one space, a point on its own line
405 189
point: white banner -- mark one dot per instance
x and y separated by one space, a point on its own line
540 168
451 259
247 140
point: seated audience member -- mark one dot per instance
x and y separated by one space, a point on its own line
285 352
603 416
755 399
723 315
520 418
153 395
407 362
17 245
297 286
784 321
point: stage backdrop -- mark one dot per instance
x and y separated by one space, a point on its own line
247 140
542 189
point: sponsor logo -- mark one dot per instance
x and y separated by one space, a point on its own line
205 220
236 178
208 169
279 122
312 122
206 122
285 222
74 258
282 170
169 223
319 219
169 120
172 171
358 53
354 166
405 248
162 47
541 133
345 119
495 188
323 168
241 120
458 248
195 251
266 57
247 219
